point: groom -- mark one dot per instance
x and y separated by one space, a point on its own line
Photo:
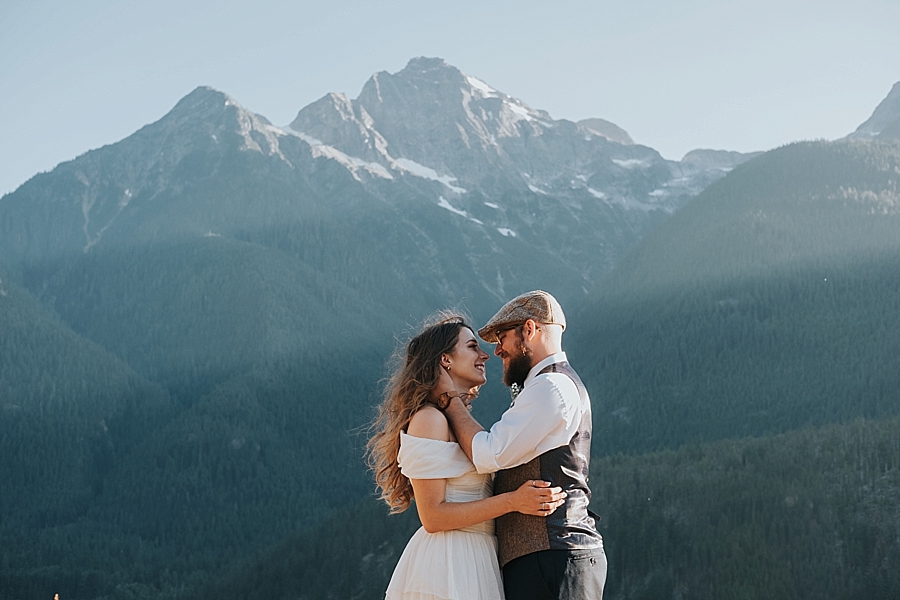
545 434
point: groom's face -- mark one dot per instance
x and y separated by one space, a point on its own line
516 356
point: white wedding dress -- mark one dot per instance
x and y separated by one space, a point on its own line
450 565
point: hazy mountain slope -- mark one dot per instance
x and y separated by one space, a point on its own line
808 514
885 120
195 313
760 307
208 166
797 204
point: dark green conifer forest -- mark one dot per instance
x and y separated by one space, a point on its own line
807 514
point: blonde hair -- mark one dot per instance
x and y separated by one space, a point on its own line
414 374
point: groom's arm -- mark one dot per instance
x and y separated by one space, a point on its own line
539 420
463 424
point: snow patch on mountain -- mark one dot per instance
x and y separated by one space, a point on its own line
520 111
443 203
482 87
630 163
635 204
506 232
352 163
427 173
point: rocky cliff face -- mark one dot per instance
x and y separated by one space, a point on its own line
604 128
145 187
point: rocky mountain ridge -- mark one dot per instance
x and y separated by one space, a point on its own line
430 119
506 176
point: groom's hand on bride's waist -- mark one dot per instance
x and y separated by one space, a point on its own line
539 498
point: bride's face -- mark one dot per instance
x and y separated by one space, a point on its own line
467 360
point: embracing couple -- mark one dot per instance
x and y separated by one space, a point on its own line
528 474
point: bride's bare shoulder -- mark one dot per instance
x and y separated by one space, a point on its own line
430 423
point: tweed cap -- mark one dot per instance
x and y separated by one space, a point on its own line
537 305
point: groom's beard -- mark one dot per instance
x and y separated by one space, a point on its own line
518 366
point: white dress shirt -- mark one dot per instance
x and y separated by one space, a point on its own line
545 415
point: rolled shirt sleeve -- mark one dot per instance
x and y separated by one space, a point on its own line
544 416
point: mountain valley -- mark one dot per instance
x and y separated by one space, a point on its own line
196 321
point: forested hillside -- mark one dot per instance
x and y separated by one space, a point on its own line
71 415
764 306
84 403
810 514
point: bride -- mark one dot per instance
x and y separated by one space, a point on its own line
414 455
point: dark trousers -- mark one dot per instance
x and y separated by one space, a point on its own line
556 575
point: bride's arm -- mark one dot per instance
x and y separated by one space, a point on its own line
532 498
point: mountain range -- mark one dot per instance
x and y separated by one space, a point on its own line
500 169
194 320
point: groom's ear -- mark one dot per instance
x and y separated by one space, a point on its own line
529 329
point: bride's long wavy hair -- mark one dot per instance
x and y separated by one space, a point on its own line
414 374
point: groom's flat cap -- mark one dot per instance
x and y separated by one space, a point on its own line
537 305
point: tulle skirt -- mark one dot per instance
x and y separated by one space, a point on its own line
448 565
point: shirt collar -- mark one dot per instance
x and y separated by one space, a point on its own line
553 358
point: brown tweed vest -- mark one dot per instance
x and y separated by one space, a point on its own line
570 526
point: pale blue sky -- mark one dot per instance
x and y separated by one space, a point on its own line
676 74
